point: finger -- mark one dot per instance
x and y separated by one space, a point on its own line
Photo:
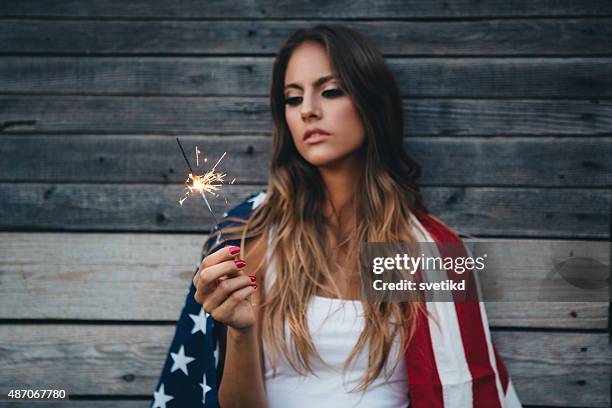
225 290
196 278
209 277
225 310
222 254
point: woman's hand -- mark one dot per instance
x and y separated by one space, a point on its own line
223 291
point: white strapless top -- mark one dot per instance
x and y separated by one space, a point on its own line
335 326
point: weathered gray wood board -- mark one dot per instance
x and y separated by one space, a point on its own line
484 211
115 276
310 9
484 77
217 115
126 360
521 37
581 379
445 161
146 277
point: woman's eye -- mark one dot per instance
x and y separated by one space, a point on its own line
293 100
332 92
329 93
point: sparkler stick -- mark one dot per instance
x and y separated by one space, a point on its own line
209 209
185 156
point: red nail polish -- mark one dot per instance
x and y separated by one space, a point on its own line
234 250
240 264
252 277
254 286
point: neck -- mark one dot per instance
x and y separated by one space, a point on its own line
340 184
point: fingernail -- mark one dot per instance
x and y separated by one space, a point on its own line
240 264
254 286
234 250
252 277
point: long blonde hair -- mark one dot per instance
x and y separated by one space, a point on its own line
294 203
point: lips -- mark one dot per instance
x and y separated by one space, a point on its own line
314 131
316 138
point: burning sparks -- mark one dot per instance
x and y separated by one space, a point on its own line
210 182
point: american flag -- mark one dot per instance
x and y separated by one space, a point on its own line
450 365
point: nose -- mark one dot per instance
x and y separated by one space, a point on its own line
310 108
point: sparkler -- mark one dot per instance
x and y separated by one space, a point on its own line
210 182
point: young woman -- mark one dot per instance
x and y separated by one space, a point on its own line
293 327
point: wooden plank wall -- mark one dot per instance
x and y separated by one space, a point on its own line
508 108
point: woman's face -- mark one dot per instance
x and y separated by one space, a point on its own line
314 99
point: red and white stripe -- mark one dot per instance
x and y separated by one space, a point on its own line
452 361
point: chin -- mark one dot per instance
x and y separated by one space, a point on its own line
325 159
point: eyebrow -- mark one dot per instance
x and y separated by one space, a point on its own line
316 83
